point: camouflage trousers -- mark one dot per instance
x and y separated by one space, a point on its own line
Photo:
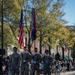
34 68
46 71
14 71
24 69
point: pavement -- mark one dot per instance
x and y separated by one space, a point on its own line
63 73
68 73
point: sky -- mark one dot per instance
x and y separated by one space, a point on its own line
69 10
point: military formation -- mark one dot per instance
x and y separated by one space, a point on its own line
29 63
34 63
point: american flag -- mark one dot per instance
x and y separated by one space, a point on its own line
21 31
33 34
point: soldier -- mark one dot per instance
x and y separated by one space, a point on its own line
47 61
36 59
26 57
15 62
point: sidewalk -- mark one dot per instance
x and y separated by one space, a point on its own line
68 73
63 73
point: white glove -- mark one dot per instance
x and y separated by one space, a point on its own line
24 61
34 62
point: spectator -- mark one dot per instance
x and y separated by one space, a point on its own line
1 64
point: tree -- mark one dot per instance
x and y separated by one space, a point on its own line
10 18
48 15
71 40
51 21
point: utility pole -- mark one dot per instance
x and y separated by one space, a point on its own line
2 32
2 48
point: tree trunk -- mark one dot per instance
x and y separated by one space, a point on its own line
49 47
40 42
63 53
29 45
74 52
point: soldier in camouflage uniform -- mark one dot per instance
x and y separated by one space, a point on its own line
26 57
47 61
35 62
15 62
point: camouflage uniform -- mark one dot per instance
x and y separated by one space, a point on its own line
15 63
47 61
26 57
36 59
